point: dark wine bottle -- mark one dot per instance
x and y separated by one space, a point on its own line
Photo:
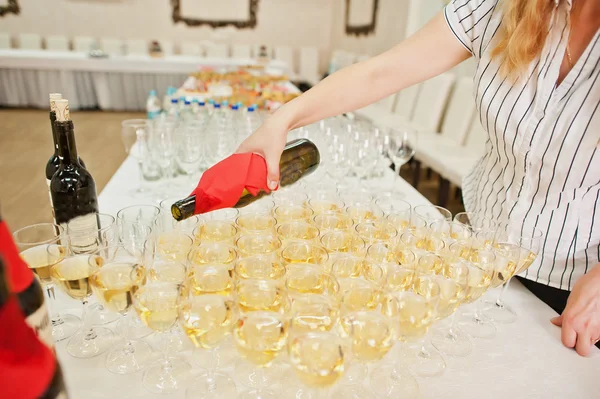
22 355
25 287
53 163
72 187
299 158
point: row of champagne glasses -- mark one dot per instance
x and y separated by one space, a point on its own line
323 271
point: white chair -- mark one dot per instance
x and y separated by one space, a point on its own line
30 41
83 44
309 65
431 103
286 55
243 51
217 50
190 48
406 100
57 43
268 50
4 41
111 46
166 46
137 47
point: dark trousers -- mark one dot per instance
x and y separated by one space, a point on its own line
553 297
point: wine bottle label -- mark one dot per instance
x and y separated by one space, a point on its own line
39 321
83 233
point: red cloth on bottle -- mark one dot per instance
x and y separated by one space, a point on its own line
222 185
19 274
27 366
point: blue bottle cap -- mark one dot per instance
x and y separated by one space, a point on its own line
187 102
217 105
202 103
174 101
235 107
251 109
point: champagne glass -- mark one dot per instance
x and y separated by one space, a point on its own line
482 266
217 279
222 215
422 358
333 221
302 278
257 294
360 212
339 243
216 231
401 146
317 359
297 230
208 320
397 212
288 212
71 274
431 213
82 240
162 148
156 303
213 253
378 231
453 290
325 201
519 252
168 223
259 337
135 134
252 223
140 214
115 275
40 246
371 337
267 267
173 245
189 149
258 244
305 252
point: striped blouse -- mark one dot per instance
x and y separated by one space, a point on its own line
541 167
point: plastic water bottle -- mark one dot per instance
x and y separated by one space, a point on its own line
251 122
173 113
167 99
153 105
186 111
203 114
236 121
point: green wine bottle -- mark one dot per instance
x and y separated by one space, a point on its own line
299 158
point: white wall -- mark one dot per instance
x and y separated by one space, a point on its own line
280 22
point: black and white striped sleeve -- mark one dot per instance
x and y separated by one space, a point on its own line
469 21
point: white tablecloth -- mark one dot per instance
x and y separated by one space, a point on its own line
115 83
525 360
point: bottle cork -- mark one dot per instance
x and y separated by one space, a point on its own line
62 110
53 98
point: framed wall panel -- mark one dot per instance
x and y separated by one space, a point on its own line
240 14
361 17
9 7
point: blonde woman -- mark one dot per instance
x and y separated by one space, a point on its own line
537 90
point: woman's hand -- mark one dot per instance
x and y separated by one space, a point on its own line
268 141
580 321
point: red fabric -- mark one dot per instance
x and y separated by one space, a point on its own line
19 274
222 185
26 365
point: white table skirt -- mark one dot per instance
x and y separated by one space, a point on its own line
525 359
115 83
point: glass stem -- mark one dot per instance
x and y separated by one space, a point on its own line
499 301
424 352
90 334
54 317
166 350
452 330
141 173
128 347
478 311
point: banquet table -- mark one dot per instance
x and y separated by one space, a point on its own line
525 360
114 83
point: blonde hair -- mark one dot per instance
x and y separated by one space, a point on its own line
522 33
